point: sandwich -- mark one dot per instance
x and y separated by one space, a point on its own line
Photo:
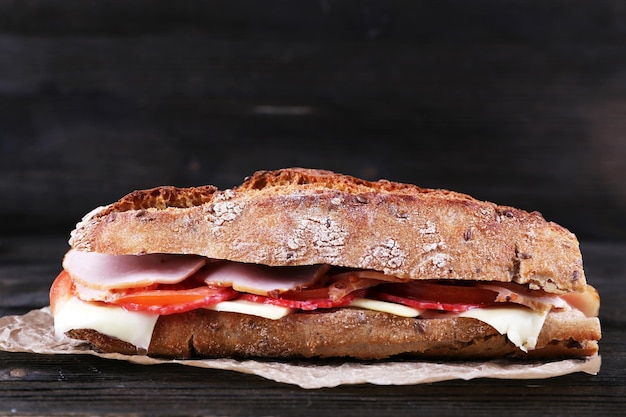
302 263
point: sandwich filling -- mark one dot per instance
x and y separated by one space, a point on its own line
123 296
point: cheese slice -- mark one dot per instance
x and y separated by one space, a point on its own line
130 326
267 311
521 325
386 307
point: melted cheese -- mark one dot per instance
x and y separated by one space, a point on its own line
267 311
130 326
521 325
386 307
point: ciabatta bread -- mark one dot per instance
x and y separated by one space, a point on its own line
302 217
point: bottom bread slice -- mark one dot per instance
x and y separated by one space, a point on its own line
355 333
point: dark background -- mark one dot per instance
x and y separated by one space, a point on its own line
518 102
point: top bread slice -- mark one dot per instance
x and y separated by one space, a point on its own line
302 216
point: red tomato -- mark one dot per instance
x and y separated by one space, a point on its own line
60 291
167 301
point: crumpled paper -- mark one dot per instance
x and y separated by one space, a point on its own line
34 332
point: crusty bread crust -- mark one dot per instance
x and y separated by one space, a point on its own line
355 333
301 216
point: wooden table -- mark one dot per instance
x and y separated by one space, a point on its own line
32 384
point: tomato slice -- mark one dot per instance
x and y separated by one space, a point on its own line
60 291
303 300
436 296
171 301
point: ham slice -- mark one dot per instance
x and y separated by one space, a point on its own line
261 279
509 292
105 272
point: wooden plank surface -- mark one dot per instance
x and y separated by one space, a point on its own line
84 385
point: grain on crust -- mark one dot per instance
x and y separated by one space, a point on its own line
355 333
302 216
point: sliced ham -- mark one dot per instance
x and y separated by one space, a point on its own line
587 301
104 272
261 279
515 293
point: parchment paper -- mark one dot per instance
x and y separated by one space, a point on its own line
34 332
